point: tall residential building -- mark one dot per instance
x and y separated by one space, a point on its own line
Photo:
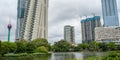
110 13
88 25
69 34
20 17
107 34
35 23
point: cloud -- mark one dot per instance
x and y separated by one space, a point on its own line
68 12
7 12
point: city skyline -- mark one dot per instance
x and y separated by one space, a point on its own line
58 14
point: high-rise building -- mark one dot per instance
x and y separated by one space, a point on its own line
88 25
20 17
69 34
35 23
110 13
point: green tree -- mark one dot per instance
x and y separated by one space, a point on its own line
41 49
30 47
93 46
61 46
103 46
118 47
41 42
21 46
81 47
8 47
111 46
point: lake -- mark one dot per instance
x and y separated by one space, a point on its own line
58 56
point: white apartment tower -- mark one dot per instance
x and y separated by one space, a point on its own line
69 34
35 24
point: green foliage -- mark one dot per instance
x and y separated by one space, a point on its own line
8 47
81 47
21 46
114 55
30 47
118 47
61 46
111 46
103 47
0 49
41 42
93 58
94 46
41 49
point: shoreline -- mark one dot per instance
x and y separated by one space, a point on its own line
25 54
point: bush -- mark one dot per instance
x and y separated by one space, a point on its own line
41 42
0 49
61 46
41 49
94 58
8 47
30 47
21 46
112 56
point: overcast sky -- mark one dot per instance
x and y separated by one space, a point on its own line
61 13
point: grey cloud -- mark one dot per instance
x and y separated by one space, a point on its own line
7 12
67 10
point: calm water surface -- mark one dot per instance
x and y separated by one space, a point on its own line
59 56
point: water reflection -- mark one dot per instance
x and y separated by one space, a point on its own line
58 56
72 55
62 56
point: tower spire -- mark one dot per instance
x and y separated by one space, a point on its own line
9 29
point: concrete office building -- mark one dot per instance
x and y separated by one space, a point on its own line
107 34
35 23
88 25
110 13
69 34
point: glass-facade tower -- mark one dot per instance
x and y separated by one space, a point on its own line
110 13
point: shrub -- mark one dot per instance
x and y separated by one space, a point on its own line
30 47
8 47
41 42
112 56
21 46
0 49
41 49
